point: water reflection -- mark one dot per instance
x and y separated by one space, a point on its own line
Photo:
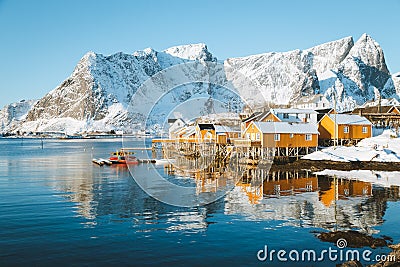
296 198
330 199
304 199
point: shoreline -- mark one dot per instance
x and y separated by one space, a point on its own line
299 164
320 165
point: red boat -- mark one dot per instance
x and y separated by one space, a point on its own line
123 157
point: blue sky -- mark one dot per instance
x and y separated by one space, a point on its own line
41 41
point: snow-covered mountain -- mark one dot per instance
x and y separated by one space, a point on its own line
128 91
350 72
14 113
97 95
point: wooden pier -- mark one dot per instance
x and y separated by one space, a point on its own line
246 151
136 148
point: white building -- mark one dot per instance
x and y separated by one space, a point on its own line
318 101
174 125
295 114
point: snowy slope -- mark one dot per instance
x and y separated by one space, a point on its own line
13 113
139 90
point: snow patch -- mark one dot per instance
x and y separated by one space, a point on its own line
381 148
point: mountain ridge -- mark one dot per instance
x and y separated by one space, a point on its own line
98 92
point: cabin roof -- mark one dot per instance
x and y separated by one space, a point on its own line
349 119
324 110
287 127
206 126
265 114
189 131
293 111
253 116
226 129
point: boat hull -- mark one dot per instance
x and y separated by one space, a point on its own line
124 160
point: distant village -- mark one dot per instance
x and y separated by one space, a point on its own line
287 131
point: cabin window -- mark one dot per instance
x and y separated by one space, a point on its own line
364 129
285 115
308 116
291 135
346 129
308 137
247 136
257 136
277 137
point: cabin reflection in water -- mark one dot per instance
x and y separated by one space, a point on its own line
301 198
260 183
332 189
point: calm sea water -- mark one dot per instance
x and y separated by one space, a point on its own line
57 208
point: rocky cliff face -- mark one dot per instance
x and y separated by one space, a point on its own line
97 95
364 72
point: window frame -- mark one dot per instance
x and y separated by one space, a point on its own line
346 129
308 137
277 137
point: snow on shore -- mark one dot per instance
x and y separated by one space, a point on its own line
381 148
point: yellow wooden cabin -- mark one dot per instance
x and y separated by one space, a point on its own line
269 117
394 110
224 134
344 127
205 132
282 134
